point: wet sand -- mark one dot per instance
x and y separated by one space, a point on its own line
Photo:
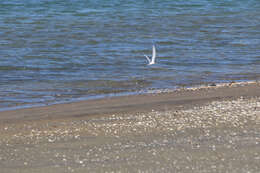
206 129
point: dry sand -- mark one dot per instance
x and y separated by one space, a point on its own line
206 129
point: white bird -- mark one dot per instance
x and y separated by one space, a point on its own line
152 60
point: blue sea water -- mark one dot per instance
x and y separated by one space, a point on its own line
62 50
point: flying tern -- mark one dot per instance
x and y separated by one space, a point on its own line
151 60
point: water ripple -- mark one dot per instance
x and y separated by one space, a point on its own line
54 51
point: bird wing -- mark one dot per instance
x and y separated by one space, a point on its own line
147 58
154 54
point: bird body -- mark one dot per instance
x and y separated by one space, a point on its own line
151 60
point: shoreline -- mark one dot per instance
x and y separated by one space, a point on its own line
154 100
133 93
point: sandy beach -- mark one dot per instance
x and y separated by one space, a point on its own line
203 129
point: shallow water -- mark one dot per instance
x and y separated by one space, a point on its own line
57 51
